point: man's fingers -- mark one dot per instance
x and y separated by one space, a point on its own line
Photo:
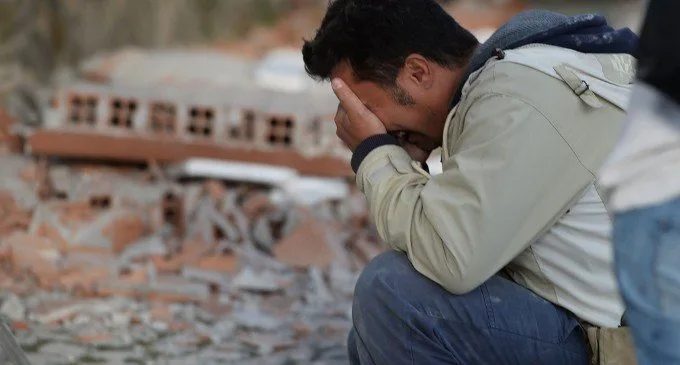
348 99
340 115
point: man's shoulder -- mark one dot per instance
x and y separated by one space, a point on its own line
533 74
514 80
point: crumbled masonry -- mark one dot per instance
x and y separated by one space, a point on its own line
115 266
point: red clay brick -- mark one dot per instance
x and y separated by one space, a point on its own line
192 252
227 263
255 204
125 230
84 279
215 189
307 245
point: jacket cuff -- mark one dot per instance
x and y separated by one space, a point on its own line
368 145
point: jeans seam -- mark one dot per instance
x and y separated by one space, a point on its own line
665 227
489 311
410 344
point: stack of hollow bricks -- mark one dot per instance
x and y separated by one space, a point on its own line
120 127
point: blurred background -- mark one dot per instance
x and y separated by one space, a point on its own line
40 37
171 187
42 42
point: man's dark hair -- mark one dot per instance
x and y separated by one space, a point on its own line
376 36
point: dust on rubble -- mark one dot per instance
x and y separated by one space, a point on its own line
116 265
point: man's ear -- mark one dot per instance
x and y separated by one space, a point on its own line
417 70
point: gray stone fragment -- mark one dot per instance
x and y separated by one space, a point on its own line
342 280
262 232
160 327
120 319
253 318
121 341
207 276
63 351
39 358
171 286
12 307
222 331
318 292
110 357
301 354
27 340
216 356
229 230
138 355
47 335
152 245
266 344
143 334
204 316
81 319
178 345
261 281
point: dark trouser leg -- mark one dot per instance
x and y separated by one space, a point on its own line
401 317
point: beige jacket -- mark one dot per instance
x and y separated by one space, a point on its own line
519 150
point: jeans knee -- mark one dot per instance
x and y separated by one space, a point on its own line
376 284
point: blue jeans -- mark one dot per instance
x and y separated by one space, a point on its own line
401 317
647 244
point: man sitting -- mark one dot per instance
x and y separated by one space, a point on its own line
502 257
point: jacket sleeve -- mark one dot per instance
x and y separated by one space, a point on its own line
458 228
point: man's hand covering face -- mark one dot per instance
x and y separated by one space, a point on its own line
354 122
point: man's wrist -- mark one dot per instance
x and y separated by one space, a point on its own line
368 145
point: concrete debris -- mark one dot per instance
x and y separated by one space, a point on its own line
232 171
314 190
256 266
145 248
67 352
261 281
254 319
222 331
12 308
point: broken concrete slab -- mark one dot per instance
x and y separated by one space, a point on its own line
12 307
222 331
210 277
143 248
267 344
63 351
254 319
260 281
313 190
232 171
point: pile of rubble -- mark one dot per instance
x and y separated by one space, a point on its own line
118 265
